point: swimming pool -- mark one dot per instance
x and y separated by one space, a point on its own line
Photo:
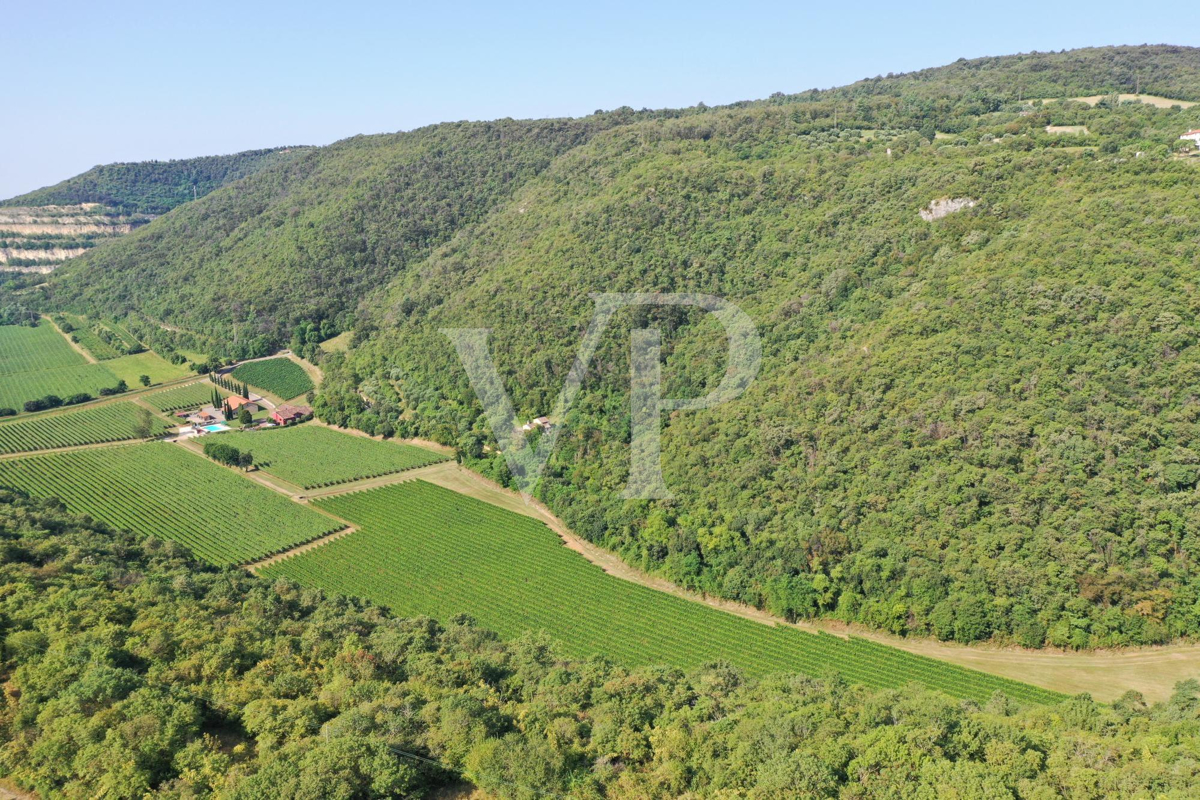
215 428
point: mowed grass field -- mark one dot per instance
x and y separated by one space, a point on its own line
421 549
35 362
312 456
158 489
131 368
279 376
111 422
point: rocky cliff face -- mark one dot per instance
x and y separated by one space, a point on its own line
39 238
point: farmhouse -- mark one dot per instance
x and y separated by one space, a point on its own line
287 414
537 422
1192 136
237 403
206 416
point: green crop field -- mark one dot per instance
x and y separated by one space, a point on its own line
192 395
88 339
313 456
61 381
422 549
24 349
159 489
111 422
35 362
280 376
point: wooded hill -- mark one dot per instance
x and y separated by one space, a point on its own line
132 670
977 426
153 187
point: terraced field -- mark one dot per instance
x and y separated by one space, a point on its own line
158 489
312 456
111 422
421 549
280 376
192 395
35 362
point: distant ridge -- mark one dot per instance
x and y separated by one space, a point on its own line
153 187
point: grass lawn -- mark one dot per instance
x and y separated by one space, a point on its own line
130 368
337 344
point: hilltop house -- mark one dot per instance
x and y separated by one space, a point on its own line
1192 136
287 414
537 422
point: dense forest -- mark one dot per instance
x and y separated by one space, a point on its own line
132 670
307 239
975 427
154 187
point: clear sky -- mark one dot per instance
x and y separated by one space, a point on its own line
90 83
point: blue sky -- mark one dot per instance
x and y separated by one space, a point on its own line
90 83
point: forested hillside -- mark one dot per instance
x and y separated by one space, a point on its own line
131 670
153 187
304 241
975 426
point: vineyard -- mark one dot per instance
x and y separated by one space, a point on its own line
126 338
312 456
280 376
25 349
111 422
35 362
87 338
161 490
421 549
193 395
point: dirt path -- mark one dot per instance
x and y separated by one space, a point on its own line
430 473
275 559
76 346
50 450
314 372
10 791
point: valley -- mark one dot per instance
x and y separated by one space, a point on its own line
263 530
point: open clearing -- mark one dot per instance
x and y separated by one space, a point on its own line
131 368
162 490
1149 99
422 549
